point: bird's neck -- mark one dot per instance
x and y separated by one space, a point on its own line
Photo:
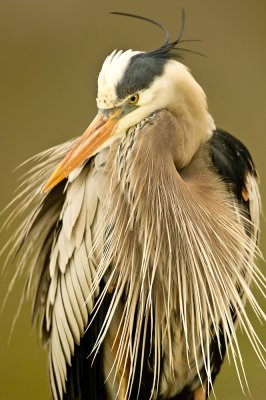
154 148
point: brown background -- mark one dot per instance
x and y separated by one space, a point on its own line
51 52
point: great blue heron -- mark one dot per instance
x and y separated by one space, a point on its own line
142 242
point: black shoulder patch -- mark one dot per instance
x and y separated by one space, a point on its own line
232 160
140 73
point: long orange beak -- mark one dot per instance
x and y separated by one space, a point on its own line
99 131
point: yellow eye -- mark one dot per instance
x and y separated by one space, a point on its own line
134 99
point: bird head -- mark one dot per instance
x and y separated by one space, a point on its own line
131 86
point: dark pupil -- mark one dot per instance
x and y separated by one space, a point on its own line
133 98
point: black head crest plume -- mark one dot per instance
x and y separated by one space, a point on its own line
165 50
151 21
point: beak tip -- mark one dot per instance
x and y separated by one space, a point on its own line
45 189
54 179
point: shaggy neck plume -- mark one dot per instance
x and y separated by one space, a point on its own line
153 274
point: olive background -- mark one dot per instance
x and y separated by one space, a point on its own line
51 52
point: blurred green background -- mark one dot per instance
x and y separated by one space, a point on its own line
50 54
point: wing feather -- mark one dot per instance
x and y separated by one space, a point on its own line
51 299
74 201
84 260
65 251
61 313
57 236
81 276
53 261
65 333
56 369
53 377
90 190
72 288
75 271
73 298
73 324
58 355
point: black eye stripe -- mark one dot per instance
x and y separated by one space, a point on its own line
140 73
